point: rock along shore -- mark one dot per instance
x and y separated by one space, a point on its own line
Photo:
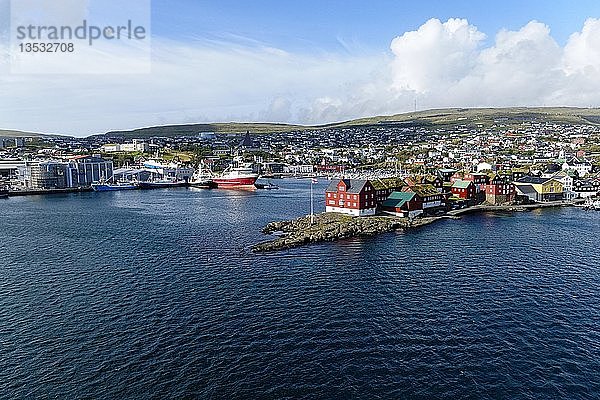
329 227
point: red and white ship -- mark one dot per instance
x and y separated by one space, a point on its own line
241 176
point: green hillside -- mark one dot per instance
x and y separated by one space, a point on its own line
486 117
448 118
195 129
11 133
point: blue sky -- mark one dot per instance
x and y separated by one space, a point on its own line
310 24
311 62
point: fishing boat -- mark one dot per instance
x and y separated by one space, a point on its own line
3 192
241 176
202 178
161 184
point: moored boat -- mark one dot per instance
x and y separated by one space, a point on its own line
591 204
202 178
267 186
204 184
241 176
107 186
3 192
161 184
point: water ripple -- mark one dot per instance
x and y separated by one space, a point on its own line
155 295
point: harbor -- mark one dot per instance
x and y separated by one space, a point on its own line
130 283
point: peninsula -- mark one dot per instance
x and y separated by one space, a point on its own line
329 227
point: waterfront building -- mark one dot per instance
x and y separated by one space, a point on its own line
275 168
355 197
78 171
586 188
539 189
84 170
9 168
44 175
403 204
300 169
429 196
464 189
386 186
500 190
566 178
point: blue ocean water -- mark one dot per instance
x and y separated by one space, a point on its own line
155 294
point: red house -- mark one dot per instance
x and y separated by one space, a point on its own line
475 177
355 197
500 190
464 189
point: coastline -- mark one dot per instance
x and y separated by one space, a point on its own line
329 227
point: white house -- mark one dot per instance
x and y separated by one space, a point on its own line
582 167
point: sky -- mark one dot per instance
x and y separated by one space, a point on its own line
308 62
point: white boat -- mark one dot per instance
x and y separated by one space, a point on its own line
592 204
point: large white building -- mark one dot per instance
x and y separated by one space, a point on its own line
135 146
79 171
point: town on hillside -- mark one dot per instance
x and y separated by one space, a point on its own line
403 169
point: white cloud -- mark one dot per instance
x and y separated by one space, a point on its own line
582 52
436 54
441 64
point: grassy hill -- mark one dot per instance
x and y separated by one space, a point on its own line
195 129
486 117
11 133
448 118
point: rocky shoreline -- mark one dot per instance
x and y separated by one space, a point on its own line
329 227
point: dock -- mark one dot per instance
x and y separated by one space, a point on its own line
36 192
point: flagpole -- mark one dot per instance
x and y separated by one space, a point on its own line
312 215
